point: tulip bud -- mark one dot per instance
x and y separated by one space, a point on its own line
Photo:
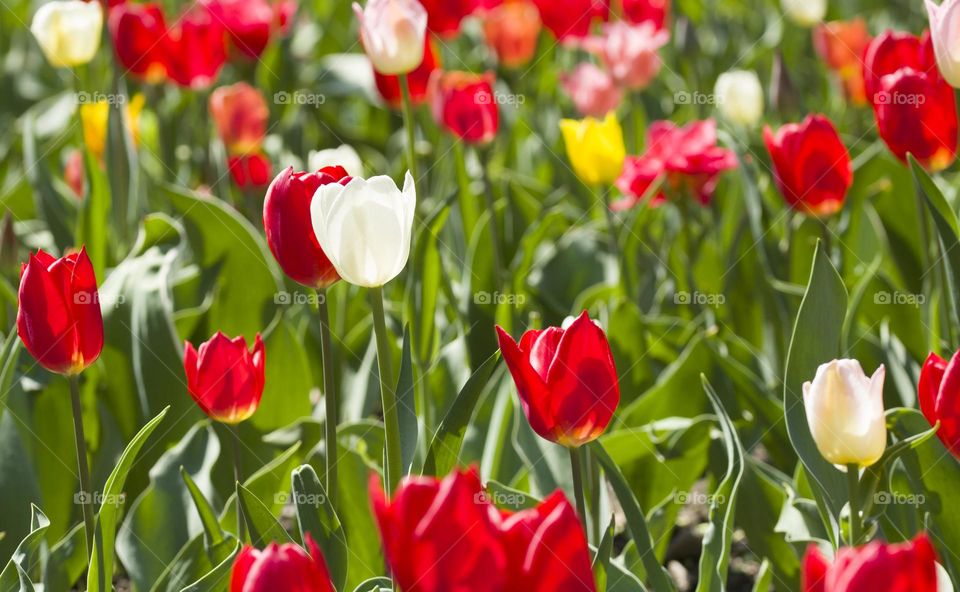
73 173
571 18
739 97
241 114
939 397
196 48
811 164
289 230
444 16
911 565
943 32
652 11
512 30
250 23
566 380
465 105
68 31
845 413
629 52
224 378
365 227
139 39
250 170
595 148
393 33
59 318
343 156
593 91
281 567
805 13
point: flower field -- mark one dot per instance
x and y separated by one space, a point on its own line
479 296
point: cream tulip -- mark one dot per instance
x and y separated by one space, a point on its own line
945 34
740 97
68 31
845 413
365 227
805 13
344 156
393 33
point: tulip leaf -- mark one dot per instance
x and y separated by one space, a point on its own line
317 517
424 287
601 558
93 219
445 447
262 525
407 406
657 576
269 479
67 560
212 532
718 538
100 575
216 579
816 341
375 585
14 576
51 207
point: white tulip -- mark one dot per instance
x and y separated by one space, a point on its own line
68 31
845 413
805 13
344 156
365 227
945 34
740 96
394 33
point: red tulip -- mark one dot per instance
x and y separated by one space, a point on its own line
512 30
289 228
281 567
572 18
811 164
59 317
196 48
465 104
419 80
73 173
687 158
440 535
913 105
241 115
566 380
224 378
139 34
939 396
877 566
250 170
249 24
654 11
444 16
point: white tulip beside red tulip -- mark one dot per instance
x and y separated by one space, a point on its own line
393 33
945 34
68 31
344 156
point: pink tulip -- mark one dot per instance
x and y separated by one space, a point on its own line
630 51
594 92
393 33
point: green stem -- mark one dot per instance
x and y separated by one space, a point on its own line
593 487
393 467
331 400
468 205
853 482
238 478
615 245
578 486
86 492
408 124
494 225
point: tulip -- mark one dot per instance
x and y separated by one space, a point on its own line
343 156
841 44
59 318
73 173
225 378
913 105
629 52
566 380
139 34
365 227
687 159
95 117
939 396
419 80
805 13
197 49
512 30
465 105
943 32
595 148
444 16
289 230
281 567
393 33
910 566
249 23
592 90
740 97
68 31
639 11
845 413
811 165
241 114
571 18
250 170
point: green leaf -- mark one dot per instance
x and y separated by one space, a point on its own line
286 392
262 525
51 207
100 576
94 217
14 576
375 585
218 577
407 406
212 532
317 517
424 288
948 229
67 560
601 559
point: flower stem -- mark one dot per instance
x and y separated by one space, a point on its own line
576 471
238 478
853 483
86 493
331 400
408 124
494 225
393 467
613 239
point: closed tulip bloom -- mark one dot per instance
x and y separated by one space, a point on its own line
465 105
740 97
878 566
652 11
249 24
811 165
939 396
289 230
365 227
944 31
630 52
566 380
68 31
595 148
342 156
139 34
393 33
845 413
59 318
225 378
419 80
241 114
805 13
841 44
73 173
250 170
197 49
281 567
441 535
512 30
444 16
571 18
593 91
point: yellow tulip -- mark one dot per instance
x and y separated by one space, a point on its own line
595 148
95 117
